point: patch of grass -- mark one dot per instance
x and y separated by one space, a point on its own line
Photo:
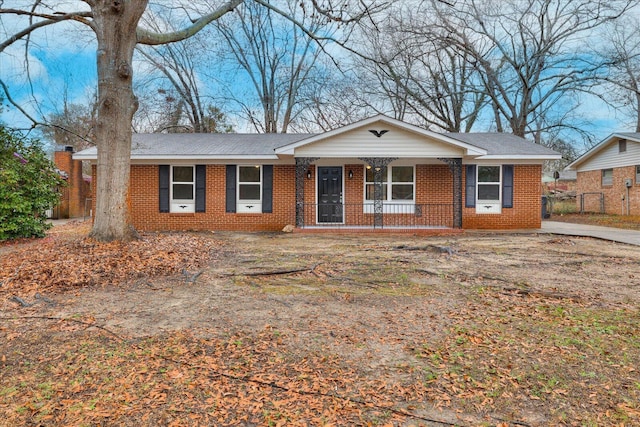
530 356
629 222
562 207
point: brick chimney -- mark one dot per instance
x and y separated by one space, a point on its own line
73 195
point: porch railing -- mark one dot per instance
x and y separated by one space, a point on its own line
393 215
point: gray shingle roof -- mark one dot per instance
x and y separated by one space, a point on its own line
236 145
504 144
210 144
152 145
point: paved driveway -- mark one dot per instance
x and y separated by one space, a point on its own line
631 237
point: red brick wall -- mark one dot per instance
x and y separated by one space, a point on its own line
73 196
527 204
146 213
434 185
591 182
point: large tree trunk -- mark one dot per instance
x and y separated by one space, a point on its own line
115 24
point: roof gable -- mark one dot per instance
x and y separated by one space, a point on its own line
380 136
605 153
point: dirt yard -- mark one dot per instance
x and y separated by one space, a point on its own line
302 329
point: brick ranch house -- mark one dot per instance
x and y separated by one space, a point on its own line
608 176
376 174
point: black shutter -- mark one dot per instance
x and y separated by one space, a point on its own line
163 196
267 188
470 187
201 188
507 186
231 188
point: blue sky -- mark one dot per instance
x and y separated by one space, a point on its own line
59 65
62 66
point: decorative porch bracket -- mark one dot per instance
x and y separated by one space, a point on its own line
378 164
455 165
302 164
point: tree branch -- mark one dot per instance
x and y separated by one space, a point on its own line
151 38
49 20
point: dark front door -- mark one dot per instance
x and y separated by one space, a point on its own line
330 194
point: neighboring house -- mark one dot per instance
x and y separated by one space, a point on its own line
376 174
608 176
74 196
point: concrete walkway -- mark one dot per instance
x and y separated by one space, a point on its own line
631 237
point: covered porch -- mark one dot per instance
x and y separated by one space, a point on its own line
378 174
379 193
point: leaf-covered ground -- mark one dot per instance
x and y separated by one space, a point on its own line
274 329
63 260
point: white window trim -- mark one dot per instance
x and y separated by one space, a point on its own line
485 206
248 205
388 197
182 205
637 174
390 206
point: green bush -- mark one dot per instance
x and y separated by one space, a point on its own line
28 186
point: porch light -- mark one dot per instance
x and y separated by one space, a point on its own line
350 174
309 174
368 167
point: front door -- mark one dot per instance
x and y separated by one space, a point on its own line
330 194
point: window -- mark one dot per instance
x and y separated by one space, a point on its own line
607 177
183 189
249 188
637 174
397 184
489 189
488 184
622 146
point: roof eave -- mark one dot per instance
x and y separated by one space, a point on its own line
85 157
207 157
477 152
520 157
192 157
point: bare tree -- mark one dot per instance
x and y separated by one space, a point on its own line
115 25
279 59
530 56
73 126
622 54
424 78
187 107
338 102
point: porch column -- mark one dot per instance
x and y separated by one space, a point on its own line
302 164
378 164
455 165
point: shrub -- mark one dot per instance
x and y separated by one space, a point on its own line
28 186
